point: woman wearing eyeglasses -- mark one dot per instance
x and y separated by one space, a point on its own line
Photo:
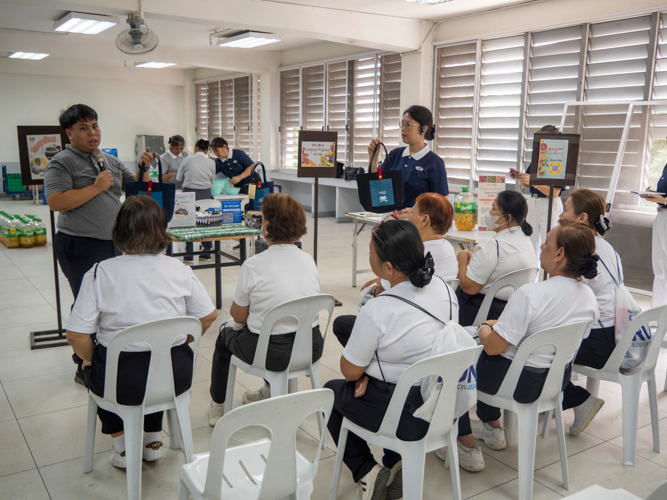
423 170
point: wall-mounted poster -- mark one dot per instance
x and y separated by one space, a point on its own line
556 157
37 147
317 154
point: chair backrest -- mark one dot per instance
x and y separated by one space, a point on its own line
281 416
159 336
514 280
657 314
304 311
564 339
450 367
660 493
454 284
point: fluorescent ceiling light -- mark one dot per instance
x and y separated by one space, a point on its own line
248 40
153 65
28 55
429 2
88 24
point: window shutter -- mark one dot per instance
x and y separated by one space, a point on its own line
290 104
214 110
201 110
454 109
242 91
365 97
227 105
390 100
500 91
553 80
258 128
312 92
338 105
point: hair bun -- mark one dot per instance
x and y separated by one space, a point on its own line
422 276
590 269
603 225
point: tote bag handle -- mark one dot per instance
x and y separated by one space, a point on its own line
377 146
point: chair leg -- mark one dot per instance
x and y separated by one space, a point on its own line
174 430
183 492
231 380
316 384
653 402
453 460
293 385
413 474
133 423
528 425
89 452
547 423
593 386
665 388
183 416
560 430
510 424
631 387
342 441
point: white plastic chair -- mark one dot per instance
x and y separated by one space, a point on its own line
631 383
597 492
442 432
565 339
301 364
453 284
515 280
159 336
269 468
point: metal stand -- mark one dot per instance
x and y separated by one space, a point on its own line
51 338
549 212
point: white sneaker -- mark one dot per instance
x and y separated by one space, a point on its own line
252 397
493 438
470 459
215 413
374 484
584 413
153 451
395 482
118 460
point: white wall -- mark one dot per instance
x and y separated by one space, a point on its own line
125 108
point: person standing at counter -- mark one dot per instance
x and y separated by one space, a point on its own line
233 163
423 170
659 247
86 197
172 159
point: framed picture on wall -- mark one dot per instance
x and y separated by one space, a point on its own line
37 146
317 154
555 158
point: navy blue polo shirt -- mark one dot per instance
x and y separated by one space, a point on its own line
661 187
424 172
534 191
234 165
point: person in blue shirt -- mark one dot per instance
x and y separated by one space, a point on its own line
659 247
233 163
423 170
538 203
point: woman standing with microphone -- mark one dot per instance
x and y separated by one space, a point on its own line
423 170
659 247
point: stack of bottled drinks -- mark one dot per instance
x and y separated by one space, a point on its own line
22 231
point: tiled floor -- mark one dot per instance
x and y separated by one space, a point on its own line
43 413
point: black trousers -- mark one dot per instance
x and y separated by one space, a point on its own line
342 328
243 344
76 255
469 307
491 371
368 412
200 194
131 382
594 352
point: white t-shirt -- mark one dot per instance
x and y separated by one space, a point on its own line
400 333
279 274
132 289
603 285
196 172
444 258
539 306
508 251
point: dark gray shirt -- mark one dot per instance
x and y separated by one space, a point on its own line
170 165
73 169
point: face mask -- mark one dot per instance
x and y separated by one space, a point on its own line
491 221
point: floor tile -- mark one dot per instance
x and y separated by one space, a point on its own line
6 412
18 337
11 300
28 315
22 364
645 443
510 491
20 284
23 486
15 456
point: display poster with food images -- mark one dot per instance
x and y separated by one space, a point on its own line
317 154
553 159
41 149
184 210
487 189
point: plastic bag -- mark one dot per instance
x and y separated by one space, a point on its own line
626 310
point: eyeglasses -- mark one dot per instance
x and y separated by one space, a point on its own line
406 125
390 216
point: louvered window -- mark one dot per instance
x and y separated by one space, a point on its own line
390 100
201 110
258 129
455 109
338 104
290 114
312 92
365 99
227 113
242 116
214 110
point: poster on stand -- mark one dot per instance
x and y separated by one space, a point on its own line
317 154
37 147
488 188
556 157
184 210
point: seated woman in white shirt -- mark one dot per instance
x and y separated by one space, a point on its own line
567 256
139 286
388 337
588 207
432 215
281 273
509 250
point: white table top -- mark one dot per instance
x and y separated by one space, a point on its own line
371 219
228 197
468 236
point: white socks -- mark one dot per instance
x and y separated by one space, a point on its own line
151 437
119 444
266 391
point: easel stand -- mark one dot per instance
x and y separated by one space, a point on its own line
51 338
549 212
316 213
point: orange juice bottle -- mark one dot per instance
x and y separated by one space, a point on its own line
465 209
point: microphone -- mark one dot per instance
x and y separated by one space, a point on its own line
97 154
